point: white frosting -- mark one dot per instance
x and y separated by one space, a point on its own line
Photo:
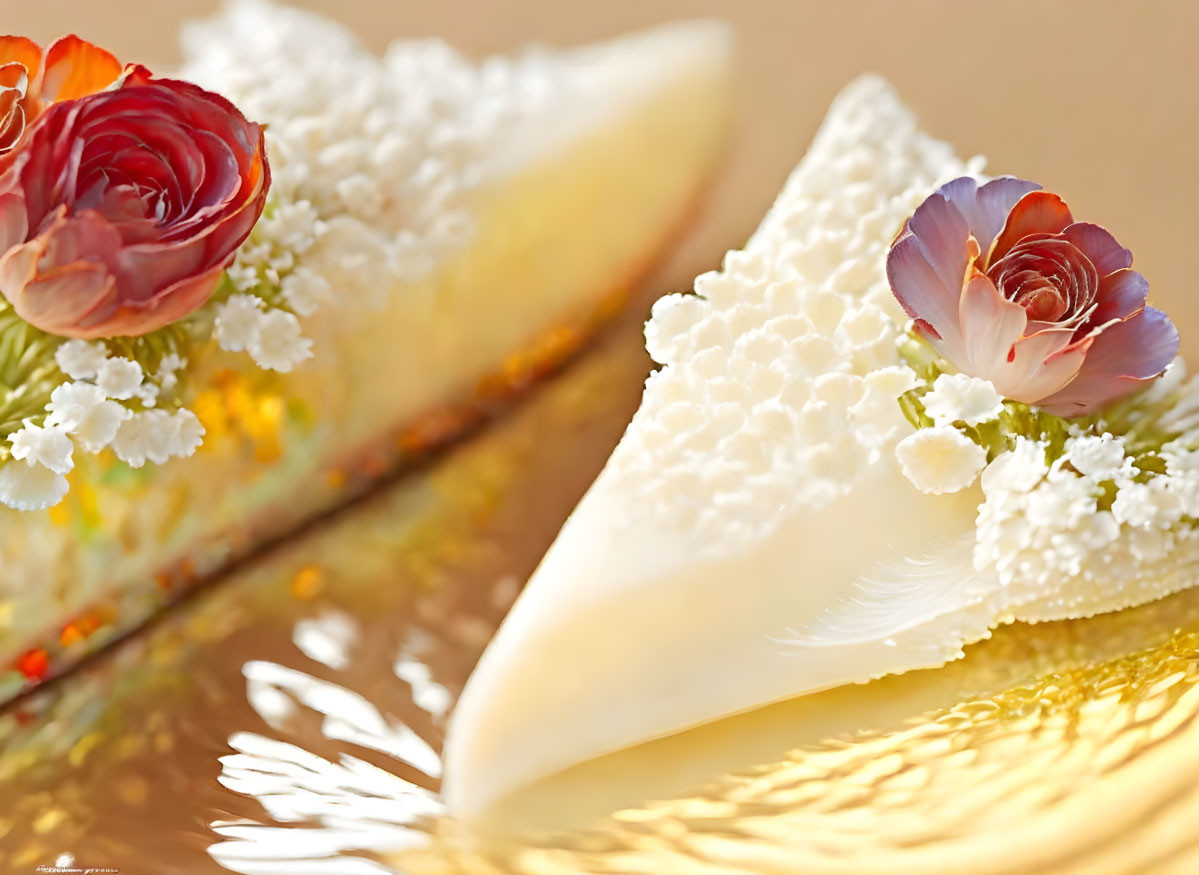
375 160
377 152
782 369
757 534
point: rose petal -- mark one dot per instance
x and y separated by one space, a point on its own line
927 266
1123 357
145 268
1038 212
1041 365
44 166
14 224
23 51
986 207
17 267
1120 295
12 126
75 67
169 305
1053 278
61 276
57 301
14 76
1100 246
991 326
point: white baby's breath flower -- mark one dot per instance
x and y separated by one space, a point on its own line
147 393
97 431
294 226
187 433
80 359
119 378
305 291
282 261
1187 488
1148 505
1020 469
1097 530
962 398
170 363
1180 461
48 446
156 436
256 255
25 486
82 410
142 438
72 403
237 322
940 460
243 276
1060 501
279 345
1100 457
168 371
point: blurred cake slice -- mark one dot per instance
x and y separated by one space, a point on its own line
461 228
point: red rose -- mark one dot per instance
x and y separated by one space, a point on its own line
120 210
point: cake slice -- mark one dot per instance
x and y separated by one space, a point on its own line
437 234
796 504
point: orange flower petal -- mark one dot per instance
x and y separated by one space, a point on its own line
74 68
23 51
14 76
12 121
1038 212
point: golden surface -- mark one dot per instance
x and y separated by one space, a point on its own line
1068 747
1065 747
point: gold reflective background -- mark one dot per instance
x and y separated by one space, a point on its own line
1067 747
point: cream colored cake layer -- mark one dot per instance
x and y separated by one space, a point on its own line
575 207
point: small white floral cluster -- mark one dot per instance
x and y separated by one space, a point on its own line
1090 508
273 289
1066 510
272 336
93 410
942 459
